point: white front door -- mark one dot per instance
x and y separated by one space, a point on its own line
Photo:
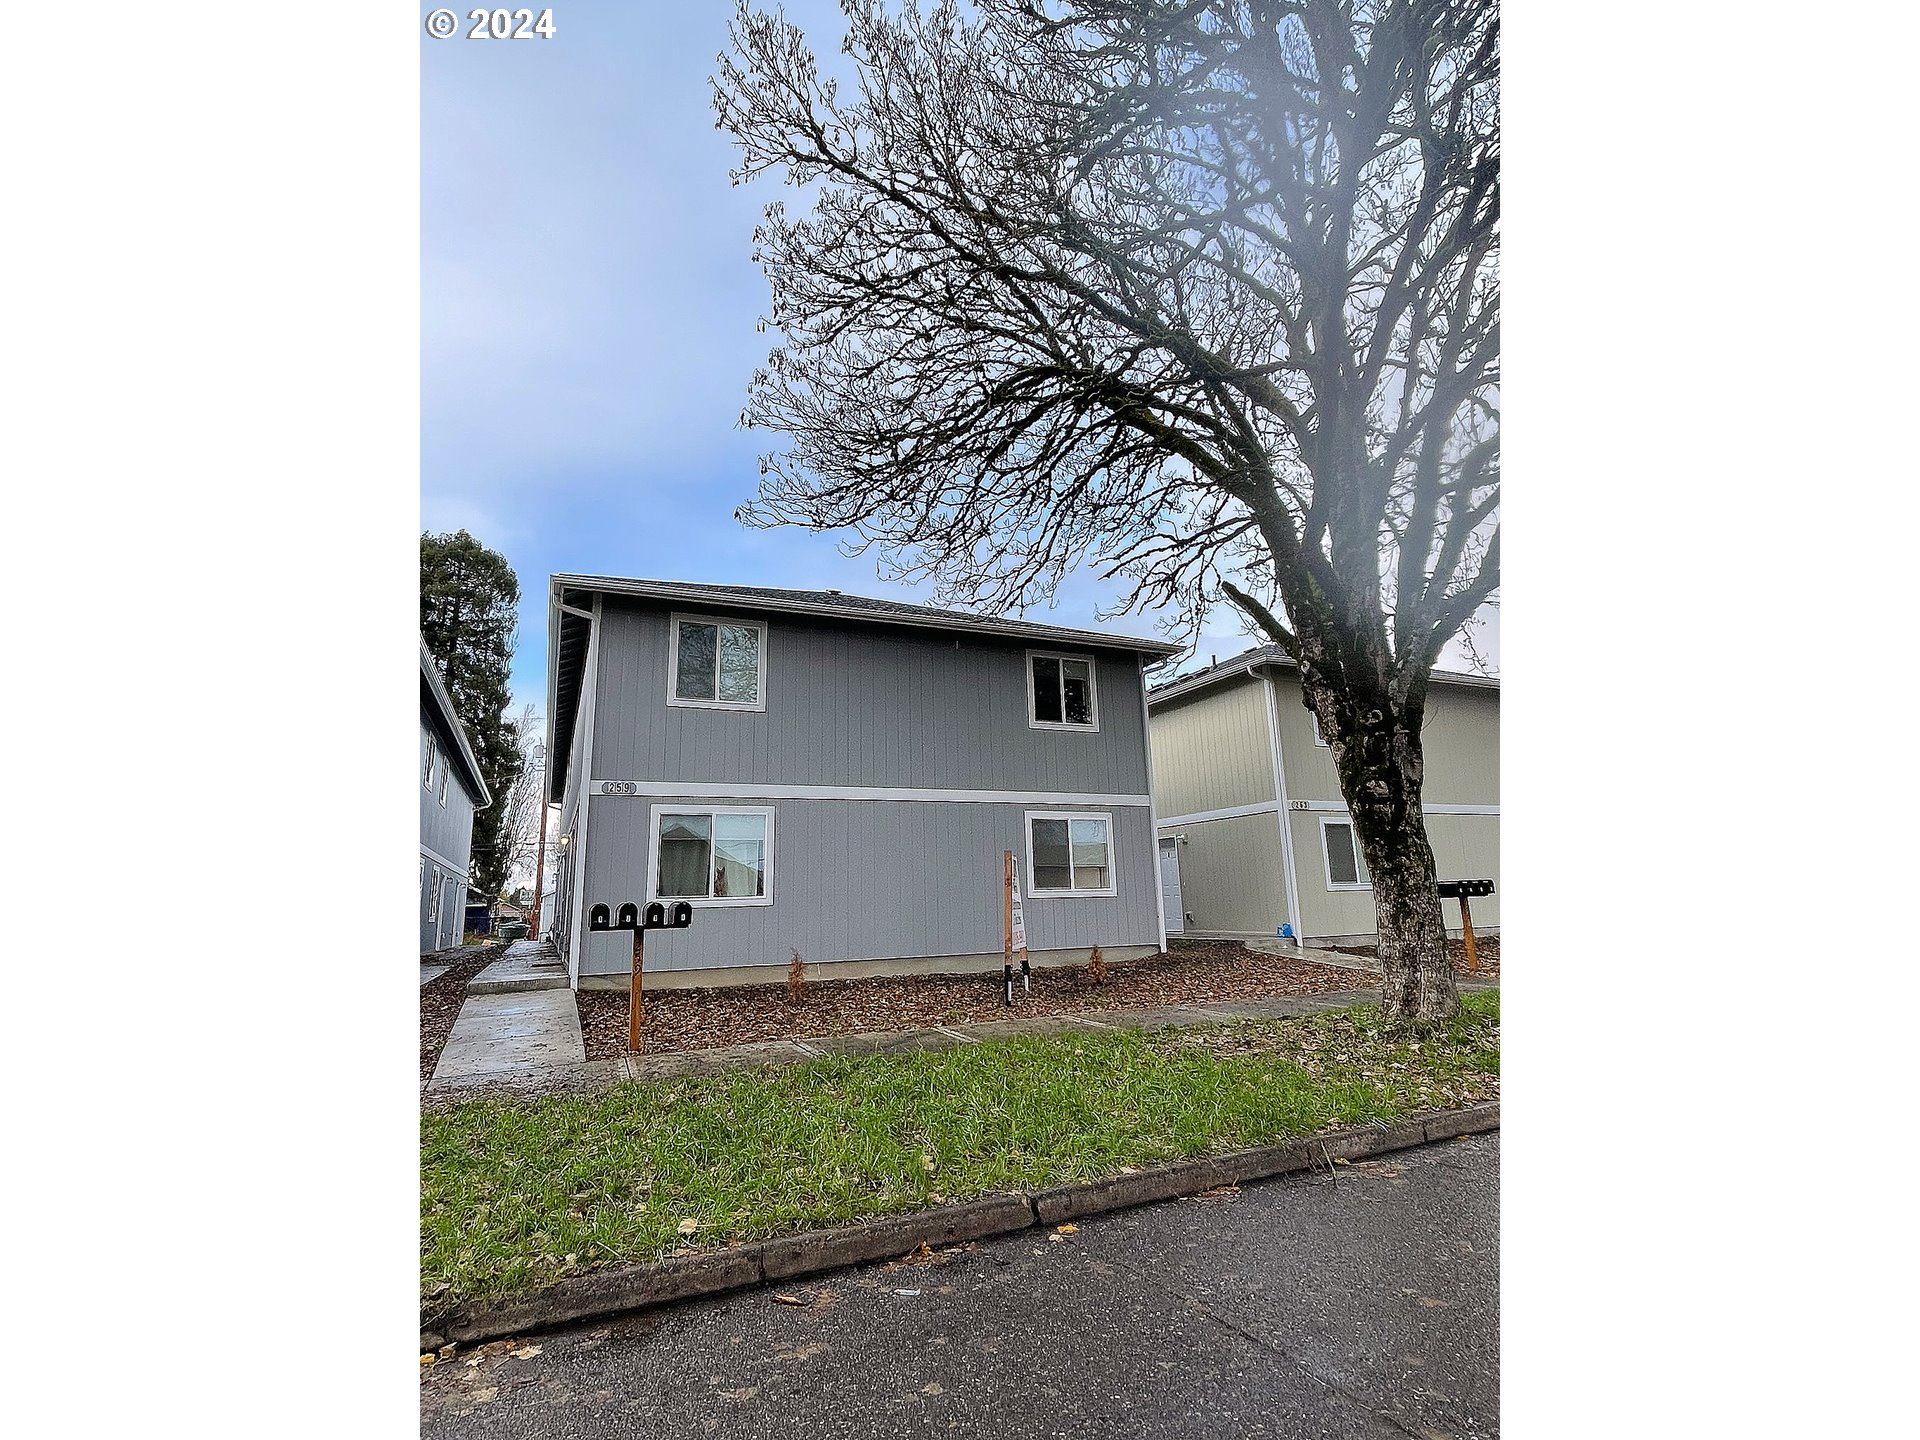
1170 886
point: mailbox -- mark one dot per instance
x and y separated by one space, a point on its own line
1456 889
682 915
629 917
656 916
598 919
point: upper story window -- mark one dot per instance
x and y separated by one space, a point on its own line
720 664
1060 692
426 780
446 773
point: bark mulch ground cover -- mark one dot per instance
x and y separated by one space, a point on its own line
1488 947
702 1019
440 1001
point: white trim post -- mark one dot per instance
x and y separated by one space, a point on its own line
1286 822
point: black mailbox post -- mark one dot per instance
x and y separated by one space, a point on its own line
656 916
1461 890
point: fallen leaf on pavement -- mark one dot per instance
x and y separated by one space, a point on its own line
428 1358
1067 1229
788 1300
525 1352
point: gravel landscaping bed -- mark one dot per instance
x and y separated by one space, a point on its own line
1488 947
440 1000
1191 975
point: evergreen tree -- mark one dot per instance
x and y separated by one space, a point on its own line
469 601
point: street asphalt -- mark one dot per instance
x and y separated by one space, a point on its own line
1361 1303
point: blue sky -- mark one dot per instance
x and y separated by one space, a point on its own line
588 312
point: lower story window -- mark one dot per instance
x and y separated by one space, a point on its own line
433 900
1069 854
1346 866
717 855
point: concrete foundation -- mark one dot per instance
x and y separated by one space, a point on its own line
857 969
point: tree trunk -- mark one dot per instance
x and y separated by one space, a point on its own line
1382 774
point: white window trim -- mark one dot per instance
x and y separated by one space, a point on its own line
433 751
653 854
446 773
1034 892
1318 739
433 904
1093 692
674 621
1326 853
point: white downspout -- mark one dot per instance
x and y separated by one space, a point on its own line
1286 822
1153 812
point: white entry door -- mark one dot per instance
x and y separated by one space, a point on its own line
1170 905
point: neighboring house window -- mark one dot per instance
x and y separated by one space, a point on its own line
1069 854
426 781
723 856
1060 692
717 663
1346 866
1318 738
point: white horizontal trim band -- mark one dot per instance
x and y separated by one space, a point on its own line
1231 813
704 790
1312 807
436 856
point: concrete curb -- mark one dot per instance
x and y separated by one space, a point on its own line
637 1287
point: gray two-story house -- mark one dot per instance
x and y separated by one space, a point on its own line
450 791
841 778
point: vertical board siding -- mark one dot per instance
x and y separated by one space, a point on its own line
1465 847
1460 745
1230 874
447 830
867 705
868 880
1211 752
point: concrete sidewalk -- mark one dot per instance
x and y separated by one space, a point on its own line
490 1065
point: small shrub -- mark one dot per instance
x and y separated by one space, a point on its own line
1096 967
796 978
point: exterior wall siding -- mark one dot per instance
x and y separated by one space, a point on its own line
1464 846
868 880
1230 873
446 835
1211 752
860 705
1460 744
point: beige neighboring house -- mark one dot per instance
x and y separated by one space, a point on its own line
1252 832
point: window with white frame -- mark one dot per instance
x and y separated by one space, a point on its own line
433 747
1060 692
1069 853
722 855
433 900
1318 738
717 663
446 773
1346 866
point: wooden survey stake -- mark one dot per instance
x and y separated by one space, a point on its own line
1013 932
1466 931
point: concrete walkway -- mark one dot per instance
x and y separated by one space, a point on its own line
519 1020
492 1067
431 973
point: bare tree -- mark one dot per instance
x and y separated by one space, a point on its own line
1204 294
520 820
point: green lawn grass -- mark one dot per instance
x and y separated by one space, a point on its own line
515 1194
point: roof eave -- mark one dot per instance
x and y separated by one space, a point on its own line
667 590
